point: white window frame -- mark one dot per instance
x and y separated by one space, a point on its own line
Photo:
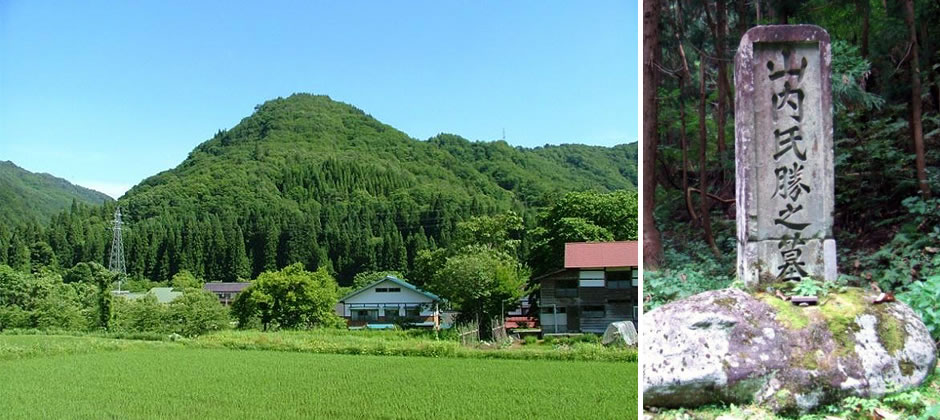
396 310
591 278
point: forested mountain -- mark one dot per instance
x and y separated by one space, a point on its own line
311 180
27 196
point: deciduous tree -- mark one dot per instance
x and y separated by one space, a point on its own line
480 282
290 298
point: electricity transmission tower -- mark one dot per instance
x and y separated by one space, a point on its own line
117 264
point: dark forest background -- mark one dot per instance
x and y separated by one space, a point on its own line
886 95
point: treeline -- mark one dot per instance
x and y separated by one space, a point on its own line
361 238
232 246
80 299
481 272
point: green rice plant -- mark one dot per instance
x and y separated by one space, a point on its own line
94 377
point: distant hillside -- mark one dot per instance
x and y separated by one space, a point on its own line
534 174
25 195
308 179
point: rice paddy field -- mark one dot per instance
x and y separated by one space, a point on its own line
43 376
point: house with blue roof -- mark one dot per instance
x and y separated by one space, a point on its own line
389 302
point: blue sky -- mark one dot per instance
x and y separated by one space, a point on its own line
105 94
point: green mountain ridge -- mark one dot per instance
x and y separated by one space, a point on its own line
308 179
28 196
311 130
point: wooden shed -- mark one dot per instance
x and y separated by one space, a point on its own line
597 286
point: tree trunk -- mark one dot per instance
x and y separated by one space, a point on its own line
916 125
705 201
740 9
863 8
684 76
685 152
721 29
652 243
930 53
720 17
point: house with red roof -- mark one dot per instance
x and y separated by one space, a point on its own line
598 285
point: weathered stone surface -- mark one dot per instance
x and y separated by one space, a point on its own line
783 146
619 334
733 347
765 259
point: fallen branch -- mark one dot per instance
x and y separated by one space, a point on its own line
710 195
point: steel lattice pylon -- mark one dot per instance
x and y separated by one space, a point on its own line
117 264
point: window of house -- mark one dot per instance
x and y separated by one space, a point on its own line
619 279
394 289
391 312
566 288
593 311
591 278
365 314
413 312
636 313
636 274
381 289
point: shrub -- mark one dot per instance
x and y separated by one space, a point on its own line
290 298
184 280
144 314
60 308
42 300
911 255
587 338
924 298
13 317
529 340
197 312
689 269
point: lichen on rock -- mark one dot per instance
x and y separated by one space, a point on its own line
733 347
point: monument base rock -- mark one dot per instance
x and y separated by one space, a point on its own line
733 347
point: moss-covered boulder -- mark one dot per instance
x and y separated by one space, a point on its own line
733 347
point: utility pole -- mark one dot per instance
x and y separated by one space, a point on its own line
117 265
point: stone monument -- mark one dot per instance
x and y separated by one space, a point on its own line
783 148
734 347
